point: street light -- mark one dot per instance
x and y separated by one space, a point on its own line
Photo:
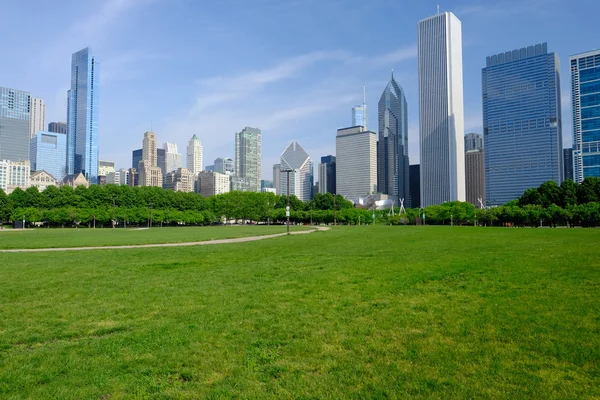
287 210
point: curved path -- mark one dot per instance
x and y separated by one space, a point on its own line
142 246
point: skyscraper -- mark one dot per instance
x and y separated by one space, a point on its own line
415 185
149 147
356 162
173 160
585 96
224 165
327 172
441 116
48 152
392 147
14 124
359 113
37 121
522 124
82 116
194 155
248 155
474 169
568 164
277 178
473 141
301 180
57 127
149 174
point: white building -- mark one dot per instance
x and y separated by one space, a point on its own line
120 177
277 178
37 117
14 174
441 115
194 155
173 160
41 180
248 153
211 183
105 167
301 178
356 162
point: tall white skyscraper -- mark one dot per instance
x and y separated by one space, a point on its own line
441 115
356 162
277 178
37 121
194 155
248 153
173 160
301 178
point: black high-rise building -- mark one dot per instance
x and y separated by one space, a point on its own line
415 186
568 163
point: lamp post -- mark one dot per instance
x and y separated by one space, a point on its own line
287 209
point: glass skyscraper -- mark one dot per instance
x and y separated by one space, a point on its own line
521 122
327 172
48 152
82 116
585 96
248 153
392 147
441 115
15 108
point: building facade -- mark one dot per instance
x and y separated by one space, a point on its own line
180 180
415 185
585 98
248 153
173 160
37 120
356 162
82 116
522 124
392 146
105 167
48 152
473 141
57 127
327 173
297 160
441 115
194 155
75 180
14 174
568 164
475 176
212 183
42 180
14 124
224 165
277 178
149 173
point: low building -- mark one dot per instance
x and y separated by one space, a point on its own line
211 183
120 177
181 180
42 180
14 174
75 180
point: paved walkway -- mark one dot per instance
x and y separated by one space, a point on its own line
142 246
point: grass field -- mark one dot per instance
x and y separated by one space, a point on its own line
355 312
45 238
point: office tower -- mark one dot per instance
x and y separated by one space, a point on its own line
473 141
264 184
297 160
57 127
82 116
120 177
212 183
14 174
356 162
568 164
475 176
161 160
224 165
277 178
247 160
327 175
48 152
37 113
415 185
105 167
149 174
441 117
359 113
14 124
522 125
42 179
180 180
173 160
136 157
133 177
585 97
392 146
194 155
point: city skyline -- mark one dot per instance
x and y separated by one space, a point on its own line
330 74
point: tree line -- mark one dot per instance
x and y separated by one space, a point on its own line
569 204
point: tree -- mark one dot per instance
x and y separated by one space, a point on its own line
549 193
589 191
568 193
531 196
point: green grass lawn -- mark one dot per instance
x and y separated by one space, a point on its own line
84 237
355 312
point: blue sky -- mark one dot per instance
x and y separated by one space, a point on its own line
292 68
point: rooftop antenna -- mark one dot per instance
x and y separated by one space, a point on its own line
438 8
392 73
